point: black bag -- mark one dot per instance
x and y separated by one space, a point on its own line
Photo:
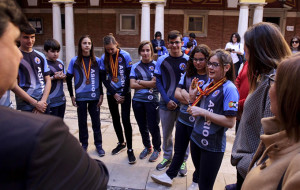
241 57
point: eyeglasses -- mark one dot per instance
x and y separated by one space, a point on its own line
295 42
200 59
271 79
176 43
213 64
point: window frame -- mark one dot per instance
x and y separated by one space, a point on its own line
119 14
188 15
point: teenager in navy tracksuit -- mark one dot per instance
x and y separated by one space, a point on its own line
196 68
34 82
168 71
145 100
215 113
115 70
57 74
88 90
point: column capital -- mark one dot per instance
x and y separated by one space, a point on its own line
61 1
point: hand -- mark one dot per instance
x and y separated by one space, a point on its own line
100 101
193 89
196 111
41 106
171 105
73 101
122 99
35 111
118 98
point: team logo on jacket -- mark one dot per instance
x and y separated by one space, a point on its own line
150 97
60 66
130 63
182 66
37 60
120 59
192 119
215 93
232 104
151 68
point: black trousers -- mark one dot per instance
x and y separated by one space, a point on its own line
207 165
147 118
125 114
58 111
91 107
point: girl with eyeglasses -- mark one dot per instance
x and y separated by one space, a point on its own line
196 69
215 108
265 48
88 90
115 69
294 44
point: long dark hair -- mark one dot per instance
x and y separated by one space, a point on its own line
266 47
109 39
224 57
79 51
190 68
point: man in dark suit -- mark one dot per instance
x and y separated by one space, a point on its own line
37 151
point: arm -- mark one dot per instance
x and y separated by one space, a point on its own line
222 120
106 83
127 82
70 88
39 105
141 84
181 95
47 88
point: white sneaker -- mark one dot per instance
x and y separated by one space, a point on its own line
193 186
163 179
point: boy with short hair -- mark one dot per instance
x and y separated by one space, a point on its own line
57 75
34 82
168 71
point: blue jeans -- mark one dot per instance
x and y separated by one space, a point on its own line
94 112
147 118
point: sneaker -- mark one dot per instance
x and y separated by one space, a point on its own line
162 179
193 186
145 153
165 163
154 156
118 149
230 187
100 151
183 169
131 157
85 147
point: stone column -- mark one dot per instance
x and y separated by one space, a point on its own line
243 20
145 24
159 18
69 31
258 13
57 34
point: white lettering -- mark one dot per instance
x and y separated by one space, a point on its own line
41 79
211 104
205 133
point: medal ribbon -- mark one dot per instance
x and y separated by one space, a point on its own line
87 74
114 65
209 89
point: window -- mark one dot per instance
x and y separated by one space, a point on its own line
127 22
195 22
37 23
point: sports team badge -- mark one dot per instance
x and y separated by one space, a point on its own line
151 68
182 66
215 93
60 66
120 59
37 60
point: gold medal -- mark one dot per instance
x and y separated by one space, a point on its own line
87 82
115 79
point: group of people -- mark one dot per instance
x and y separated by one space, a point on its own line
199 95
